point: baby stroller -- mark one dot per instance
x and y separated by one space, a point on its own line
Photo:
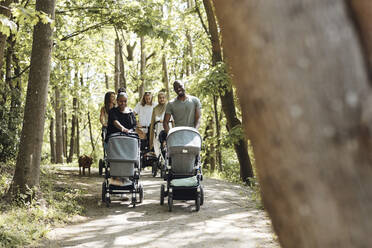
159 149
183 173
122 167
148 158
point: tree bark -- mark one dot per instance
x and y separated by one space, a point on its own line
51 141
123 81
91 133
303 88
190 51
361 12
165 75
107 81
218 134
141 89
72 134
59 130
27 170
64 131
227 98
117 65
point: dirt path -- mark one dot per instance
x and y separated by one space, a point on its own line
227 219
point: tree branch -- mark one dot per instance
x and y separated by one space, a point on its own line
201 18
24 70
82 31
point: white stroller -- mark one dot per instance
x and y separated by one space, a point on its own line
183 174
122 167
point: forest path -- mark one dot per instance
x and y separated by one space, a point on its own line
228 218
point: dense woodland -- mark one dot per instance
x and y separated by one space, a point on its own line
302 71
98 47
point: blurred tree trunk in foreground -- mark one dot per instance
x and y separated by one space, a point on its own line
301 78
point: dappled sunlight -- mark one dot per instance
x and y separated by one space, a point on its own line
226 219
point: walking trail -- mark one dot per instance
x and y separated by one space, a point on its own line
228 218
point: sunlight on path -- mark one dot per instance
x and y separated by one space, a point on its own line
227 219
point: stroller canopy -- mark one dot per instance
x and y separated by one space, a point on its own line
122 148
184 137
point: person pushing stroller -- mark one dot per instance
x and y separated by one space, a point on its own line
183 174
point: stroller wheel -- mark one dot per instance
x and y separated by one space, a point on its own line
154 169
197 202
170 202
201 195
162 193
100 167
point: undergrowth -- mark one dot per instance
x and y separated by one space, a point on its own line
23 223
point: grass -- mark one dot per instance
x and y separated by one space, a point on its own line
24 223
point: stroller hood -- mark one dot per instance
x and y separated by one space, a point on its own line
122 149
184 137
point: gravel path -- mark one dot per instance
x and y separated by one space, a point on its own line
228 218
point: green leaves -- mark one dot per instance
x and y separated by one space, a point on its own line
7 26
215 81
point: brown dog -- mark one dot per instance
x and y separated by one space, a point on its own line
85 161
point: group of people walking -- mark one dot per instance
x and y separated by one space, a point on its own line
116 116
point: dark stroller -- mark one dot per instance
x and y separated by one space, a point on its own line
148 157
159 149
122 167
183 174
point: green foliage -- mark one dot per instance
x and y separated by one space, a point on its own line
215 80
23 223
233 136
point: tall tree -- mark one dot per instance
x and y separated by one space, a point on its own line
27 170
304 91
227 97
59 129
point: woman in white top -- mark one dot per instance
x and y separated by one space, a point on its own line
144 111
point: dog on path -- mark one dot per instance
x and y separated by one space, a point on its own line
85 161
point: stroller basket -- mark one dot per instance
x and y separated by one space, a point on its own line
183 145
122 155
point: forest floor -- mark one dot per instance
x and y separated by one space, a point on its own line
228 218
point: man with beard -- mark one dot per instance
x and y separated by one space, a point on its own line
185 109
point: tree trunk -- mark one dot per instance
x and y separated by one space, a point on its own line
51 141
165 75
123 81
190 51
59 132
227 99
303 87
64 131
5 11
218 134
91 133
209 160
361 13
72 134
117 65
27 170
141 90
107 81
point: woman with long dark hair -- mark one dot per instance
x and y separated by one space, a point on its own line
108 105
